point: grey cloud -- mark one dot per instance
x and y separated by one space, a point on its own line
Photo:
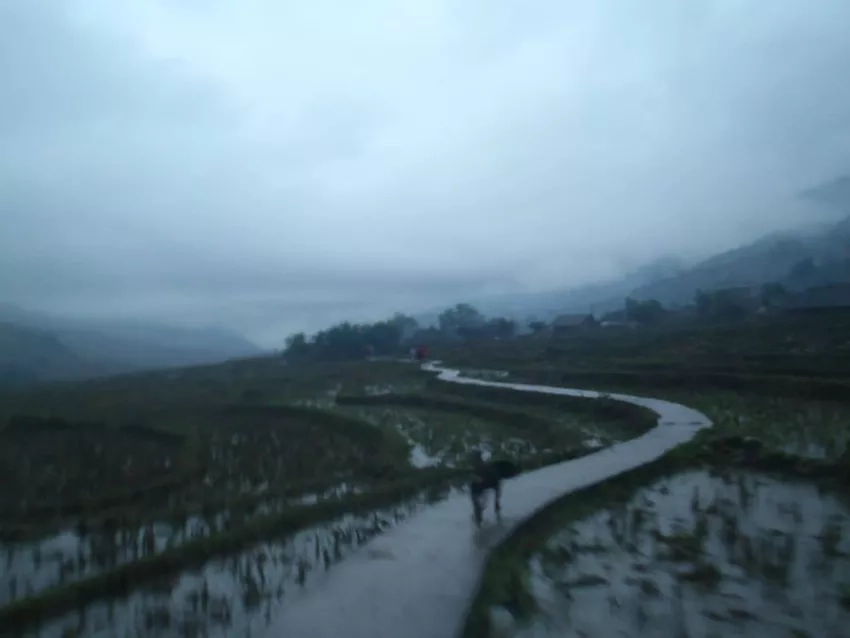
287 166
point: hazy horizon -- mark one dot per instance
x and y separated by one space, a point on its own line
272 168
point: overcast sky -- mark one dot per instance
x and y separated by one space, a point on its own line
277 165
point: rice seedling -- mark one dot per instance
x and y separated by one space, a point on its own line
721 549
246 589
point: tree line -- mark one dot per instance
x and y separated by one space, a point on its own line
393 336
465 323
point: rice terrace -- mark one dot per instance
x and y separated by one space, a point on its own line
424 319
672 482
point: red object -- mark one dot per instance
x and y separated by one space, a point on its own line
421 353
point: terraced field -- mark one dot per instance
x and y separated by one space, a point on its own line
228 518
190 518
725 536
740 553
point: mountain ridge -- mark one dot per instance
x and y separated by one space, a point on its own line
37 346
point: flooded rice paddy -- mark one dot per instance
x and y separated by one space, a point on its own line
235 596
72 554
698 556
445 439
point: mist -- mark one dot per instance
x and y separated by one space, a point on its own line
274 167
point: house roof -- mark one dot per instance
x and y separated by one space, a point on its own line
569 321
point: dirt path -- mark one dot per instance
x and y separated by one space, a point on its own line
418 580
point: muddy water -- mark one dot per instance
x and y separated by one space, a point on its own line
68 556
240 595
698 556
28 568
419 458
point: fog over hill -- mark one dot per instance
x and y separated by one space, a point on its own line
40 347
273 167
776 257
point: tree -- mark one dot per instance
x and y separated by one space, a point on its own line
727 307
803 270
496 328
347 340
703 302
408 326
384 337
296 345
720 305
501 328
461 317
537 327
647 312
773 295
615 315
343 341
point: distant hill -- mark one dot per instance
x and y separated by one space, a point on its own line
816 256
596 297
144 347
39 346
28 355
834 194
